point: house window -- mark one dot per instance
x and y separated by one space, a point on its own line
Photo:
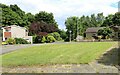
5 38
26 30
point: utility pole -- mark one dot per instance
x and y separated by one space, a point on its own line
70 35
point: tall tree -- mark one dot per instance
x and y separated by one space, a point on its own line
16 9
46 17
108 21
38 27
72 25
9 17
100 19
116 19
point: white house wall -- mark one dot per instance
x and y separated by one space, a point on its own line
17 32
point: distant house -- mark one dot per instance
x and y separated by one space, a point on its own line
15 32
115 28
90 32
116 32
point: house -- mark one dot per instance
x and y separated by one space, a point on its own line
116 33
90 32
14 31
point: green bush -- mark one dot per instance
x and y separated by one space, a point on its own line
21 41
34 39
56 35
10 41
105 32
50 39
43 40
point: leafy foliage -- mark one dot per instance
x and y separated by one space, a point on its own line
10 41
78 25
21 41
63 34
50 39
45 17
14 15
37 27
116 19
105 32
108 21
43 39
56 35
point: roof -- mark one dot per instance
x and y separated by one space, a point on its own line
115 28
93 29
118 27
14 26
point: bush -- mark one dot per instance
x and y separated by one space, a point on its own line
34 39
10 41
63 34
43 39
105 32
50 39
21 41
56 35
4 43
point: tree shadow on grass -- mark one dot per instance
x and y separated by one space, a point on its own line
110 58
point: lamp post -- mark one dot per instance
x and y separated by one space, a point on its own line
70 35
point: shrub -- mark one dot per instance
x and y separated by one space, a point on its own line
10 41
34 39
4 43
50 39
105 32
56 35
43 40
63 34
21 41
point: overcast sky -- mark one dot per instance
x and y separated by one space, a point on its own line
66 8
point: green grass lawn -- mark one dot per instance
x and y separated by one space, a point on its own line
72 53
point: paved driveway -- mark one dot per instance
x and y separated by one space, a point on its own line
9 48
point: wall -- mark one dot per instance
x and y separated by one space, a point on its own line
89 36
18 32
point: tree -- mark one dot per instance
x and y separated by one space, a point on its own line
46 17
72 25
30 17
9 17
63 34
108 21
37 27
14 15
116 19
100 19
16 9
78 25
